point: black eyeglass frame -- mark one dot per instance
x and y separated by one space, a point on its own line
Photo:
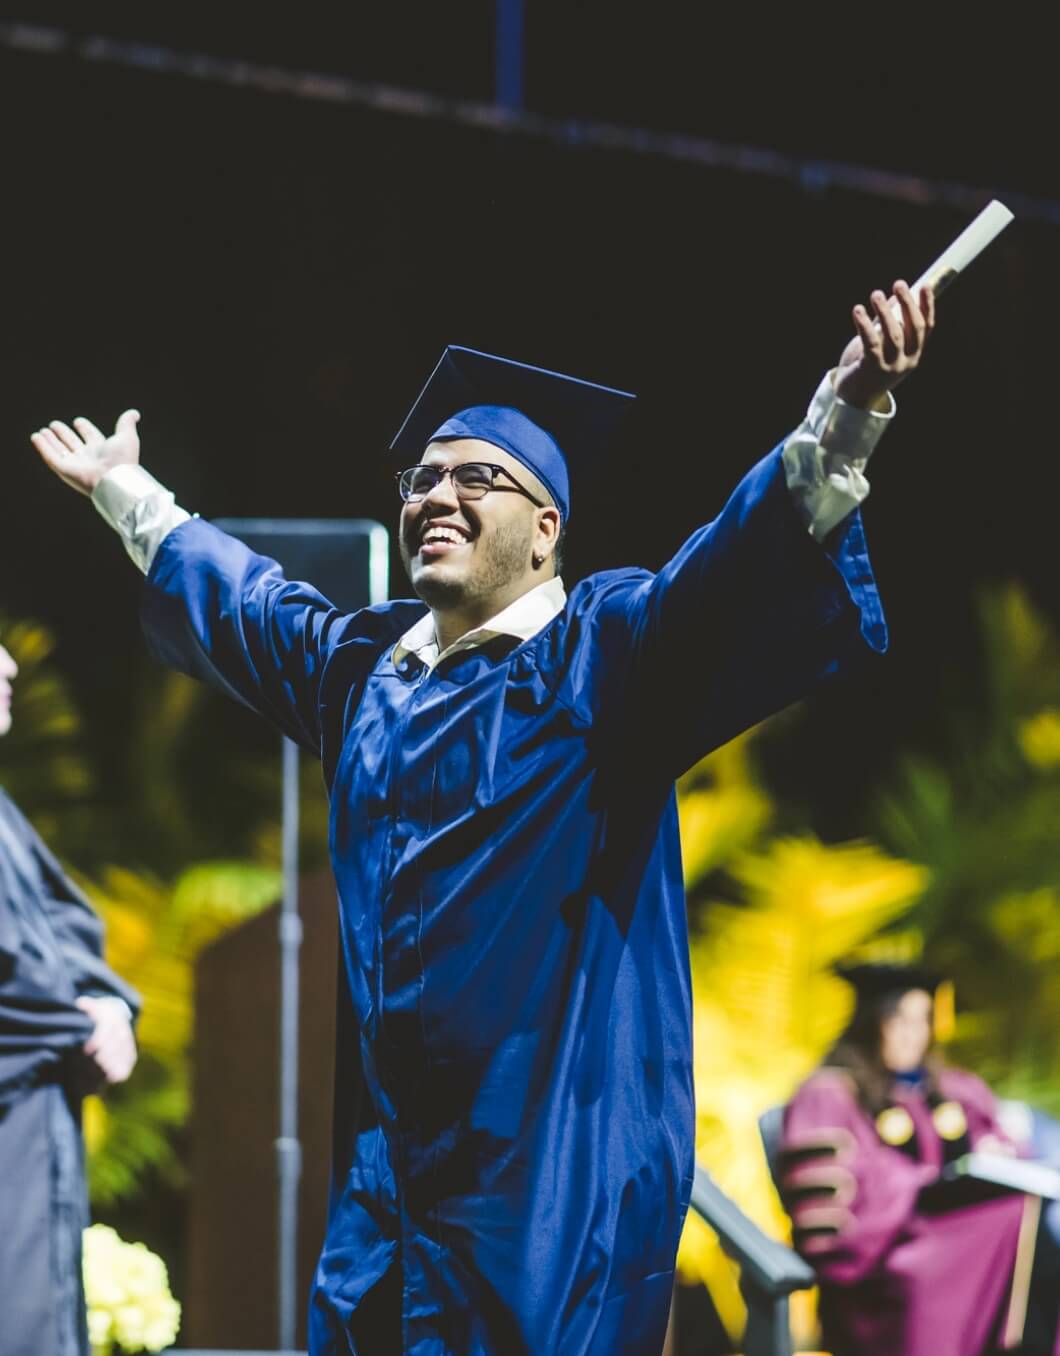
442 471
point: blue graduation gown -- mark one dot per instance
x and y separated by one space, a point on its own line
504 837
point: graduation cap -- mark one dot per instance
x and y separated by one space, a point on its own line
873 982
544 419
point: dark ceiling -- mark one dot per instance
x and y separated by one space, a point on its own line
949 96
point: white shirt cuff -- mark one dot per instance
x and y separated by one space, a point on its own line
140 510
826 456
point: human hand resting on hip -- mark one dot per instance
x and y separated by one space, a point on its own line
112 1044
81 456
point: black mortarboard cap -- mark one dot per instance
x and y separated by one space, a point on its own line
878 980
546 420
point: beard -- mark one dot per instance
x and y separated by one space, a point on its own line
500 557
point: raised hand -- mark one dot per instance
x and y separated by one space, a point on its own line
81 456
112 1045
887 348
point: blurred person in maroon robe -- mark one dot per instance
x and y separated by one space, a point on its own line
65 1029
907 1269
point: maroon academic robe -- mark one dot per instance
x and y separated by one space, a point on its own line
895 1280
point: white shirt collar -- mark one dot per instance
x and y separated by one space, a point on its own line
522 619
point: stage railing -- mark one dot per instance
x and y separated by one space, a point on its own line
769 1271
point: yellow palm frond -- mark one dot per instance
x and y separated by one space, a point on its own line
722 808
1022 636
1039 738
767 1006
42 766
155 931
94 1117
715 824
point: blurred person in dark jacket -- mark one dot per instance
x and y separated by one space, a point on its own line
65 1029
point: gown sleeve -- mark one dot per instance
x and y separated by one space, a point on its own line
40 1024
38 1029
215 610
850 1197
80 933
745 619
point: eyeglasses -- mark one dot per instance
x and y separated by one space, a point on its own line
471 480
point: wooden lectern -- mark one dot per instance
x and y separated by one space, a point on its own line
231 1288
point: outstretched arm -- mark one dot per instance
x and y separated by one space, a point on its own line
777 592
213 609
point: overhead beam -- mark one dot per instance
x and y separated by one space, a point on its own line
812 174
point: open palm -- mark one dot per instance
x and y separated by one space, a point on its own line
81 456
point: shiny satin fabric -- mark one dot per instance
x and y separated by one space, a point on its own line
515 1112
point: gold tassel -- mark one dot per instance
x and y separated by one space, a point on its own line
945 1012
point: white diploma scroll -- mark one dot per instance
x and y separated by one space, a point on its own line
971 242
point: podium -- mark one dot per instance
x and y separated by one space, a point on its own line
232 1297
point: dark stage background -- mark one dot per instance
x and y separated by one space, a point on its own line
269 279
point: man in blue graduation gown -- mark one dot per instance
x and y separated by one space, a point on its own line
504 833
65 1027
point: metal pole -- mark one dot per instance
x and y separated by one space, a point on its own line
508 55
288 1149
768 1331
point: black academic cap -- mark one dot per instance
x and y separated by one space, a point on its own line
579 419
877 980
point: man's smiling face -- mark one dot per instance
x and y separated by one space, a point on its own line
473 553
8 669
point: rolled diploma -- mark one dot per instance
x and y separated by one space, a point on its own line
971 242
